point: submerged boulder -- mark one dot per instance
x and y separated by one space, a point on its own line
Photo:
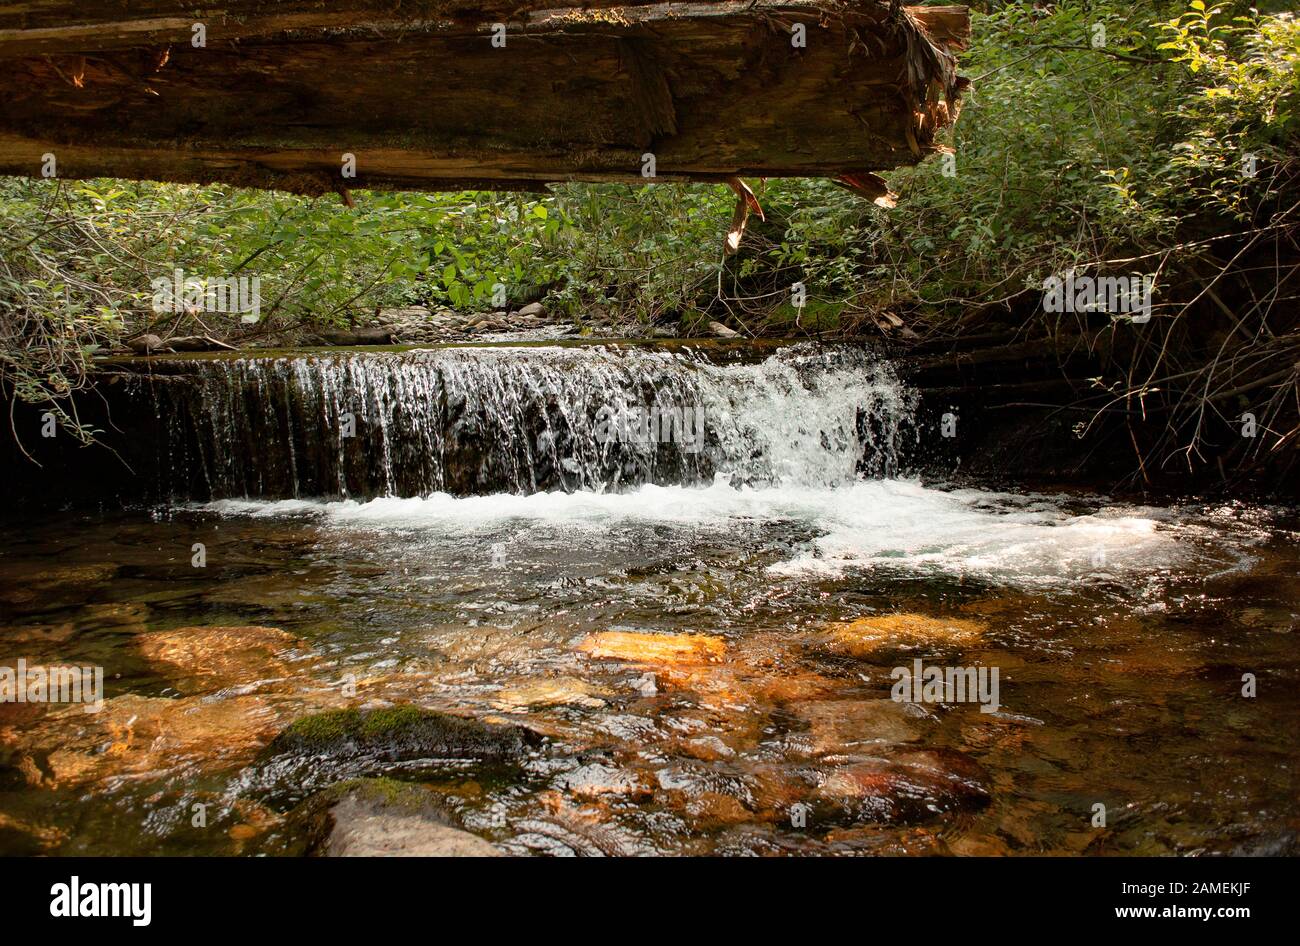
33 587
868 636
663 649
326 747
202 659
136 737
840 727
552 691
375 818
22 837
910 786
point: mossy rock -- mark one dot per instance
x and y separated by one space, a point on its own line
395 728
374 817
318 750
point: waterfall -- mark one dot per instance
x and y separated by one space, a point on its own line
522 420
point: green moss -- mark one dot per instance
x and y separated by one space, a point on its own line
324 728
391 721
816 313
337 725
386 792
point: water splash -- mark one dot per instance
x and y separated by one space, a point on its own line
812 533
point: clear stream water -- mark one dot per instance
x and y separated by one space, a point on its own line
1121 632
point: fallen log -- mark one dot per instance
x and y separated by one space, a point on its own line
451 94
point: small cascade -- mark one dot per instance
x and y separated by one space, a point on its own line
522 420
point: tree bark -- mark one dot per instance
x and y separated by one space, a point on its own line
417 93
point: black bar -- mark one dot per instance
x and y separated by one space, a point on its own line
206 897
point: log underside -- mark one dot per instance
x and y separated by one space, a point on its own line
424 100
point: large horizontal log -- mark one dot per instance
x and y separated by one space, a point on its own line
63 26
422 98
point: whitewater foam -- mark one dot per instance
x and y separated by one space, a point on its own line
870 524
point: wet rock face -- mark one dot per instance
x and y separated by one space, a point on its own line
484 419
657 649
201 659
318 750
909 787
137 737
375 818
871 636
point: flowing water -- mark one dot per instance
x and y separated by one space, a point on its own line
487 537
523 420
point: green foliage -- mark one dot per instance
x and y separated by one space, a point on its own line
1096 130
1242 110
1059 140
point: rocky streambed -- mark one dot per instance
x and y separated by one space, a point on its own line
255 749
626 599
654 672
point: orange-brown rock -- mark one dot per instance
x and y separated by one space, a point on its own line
842 727
659 649
209 658
139 737
867 636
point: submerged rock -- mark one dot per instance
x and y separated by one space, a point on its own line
140 737
713 809
375 818
210 658
866 637
837 727
326 747
553 691
1278 620
35 586
38 634
595 779
53 575
706 748
667 649
117 615
28 838
910 786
